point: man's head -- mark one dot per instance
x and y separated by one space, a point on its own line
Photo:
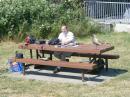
64 29
93 35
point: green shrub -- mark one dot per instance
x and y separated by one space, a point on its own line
42 18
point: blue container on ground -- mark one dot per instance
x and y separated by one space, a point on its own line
16 67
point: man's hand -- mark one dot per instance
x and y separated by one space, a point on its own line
65 42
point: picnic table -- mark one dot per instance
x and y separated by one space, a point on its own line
84 50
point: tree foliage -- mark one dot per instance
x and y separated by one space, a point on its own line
41 18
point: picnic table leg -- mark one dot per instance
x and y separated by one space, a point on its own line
31 53
83 73
50 56
106 63
37 54
23 68
42 53
89 59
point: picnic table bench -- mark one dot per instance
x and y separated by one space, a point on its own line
91 51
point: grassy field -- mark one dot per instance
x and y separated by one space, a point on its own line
117 87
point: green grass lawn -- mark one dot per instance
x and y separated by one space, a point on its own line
117 87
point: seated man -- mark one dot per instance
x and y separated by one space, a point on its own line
66 37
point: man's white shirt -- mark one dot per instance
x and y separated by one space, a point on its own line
69 36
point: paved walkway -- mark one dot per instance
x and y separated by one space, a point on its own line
67 77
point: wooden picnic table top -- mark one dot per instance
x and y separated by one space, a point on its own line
82 49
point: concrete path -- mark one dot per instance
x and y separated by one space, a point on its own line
68 77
